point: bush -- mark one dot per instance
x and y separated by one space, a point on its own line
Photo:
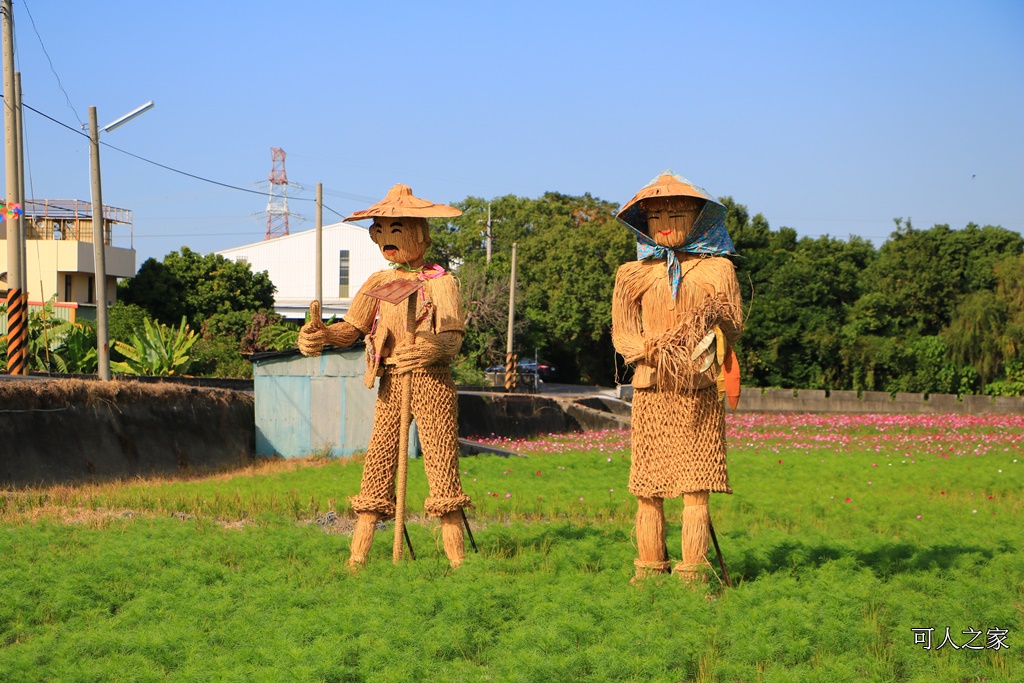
1013 385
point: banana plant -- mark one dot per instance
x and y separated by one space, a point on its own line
159 351
46 334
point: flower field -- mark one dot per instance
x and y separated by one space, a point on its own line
850 540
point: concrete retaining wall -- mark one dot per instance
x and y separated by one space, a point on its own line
816 401
512 415
70 430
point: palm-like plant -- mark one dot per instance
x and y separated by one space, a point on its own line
77 351
279 337
159 351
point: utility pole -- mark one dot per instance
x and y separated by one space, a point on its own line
320 243
20 140
510 358
488 232
99 244
17 304
99 254
489 236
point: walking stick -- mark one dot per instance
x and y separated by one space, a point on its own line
469 531
721 560
403 441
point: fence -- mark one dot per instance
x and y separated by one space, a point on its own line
61 311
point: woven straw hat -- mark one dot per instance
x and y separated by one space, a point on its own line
400 202
668 184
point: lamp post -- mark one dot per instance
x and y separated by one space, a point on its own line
98 241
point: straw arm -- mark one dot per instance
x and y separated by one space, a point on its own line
627 337
314 335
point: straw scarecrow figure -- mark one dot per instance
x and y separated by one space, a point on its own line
412 319
675 315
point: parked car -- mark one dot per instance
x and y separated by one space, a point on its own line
545 370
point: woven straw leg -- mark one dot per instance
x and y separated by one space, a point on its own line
362 538
451 536
377 489
435 407
696 536
650 538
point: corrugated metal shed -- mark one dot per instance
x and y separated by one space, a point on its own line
312 405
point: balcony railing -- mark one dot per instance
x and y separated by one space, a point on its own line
71 219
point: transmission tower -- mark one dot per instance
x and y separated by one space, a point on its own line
277 205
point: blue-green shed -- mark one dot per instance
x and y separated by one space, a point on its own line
316 405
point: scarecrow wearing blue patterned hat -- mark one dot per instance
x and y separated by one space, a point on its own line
676 313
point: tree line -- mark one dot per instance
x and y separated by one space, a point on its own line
935 310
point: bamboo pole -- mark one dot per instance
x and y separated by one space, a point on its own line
403 439
718 551
319 270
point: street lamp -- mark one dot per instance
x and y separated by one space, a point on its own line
98 243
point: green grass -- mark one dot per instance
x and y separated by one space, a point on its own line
230 578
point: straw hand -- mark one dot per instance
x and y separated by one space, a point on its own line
429 349
313 335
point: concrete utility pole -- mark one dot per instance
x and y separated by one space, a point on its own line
510 358
488 232
320 243
99 253
489 236
20 139
99 247
17 308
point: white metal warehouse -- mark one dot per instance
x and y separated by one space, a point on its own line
349 258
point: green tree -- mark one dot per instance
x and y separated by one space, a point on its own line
218 351
124 320
925 274
189 284
569 248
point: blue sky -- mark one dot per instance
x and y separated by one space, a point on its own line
830 118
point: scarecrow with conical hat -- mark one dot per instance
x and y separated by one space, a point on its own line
675 315
412 319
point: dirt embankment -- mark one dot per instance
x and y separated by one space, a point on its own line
69 430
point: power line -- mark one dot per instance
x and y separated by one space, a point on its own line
170 168
60 85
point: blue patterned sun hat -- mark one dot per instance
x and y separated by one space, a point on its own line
708 235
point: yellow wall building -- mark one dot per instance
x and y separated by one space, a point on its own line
59 254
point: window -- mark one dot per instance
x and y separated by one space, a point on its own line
90 295
241 259
343 273
67 288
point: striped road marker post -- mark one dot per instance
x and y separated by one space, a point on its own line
17 332
510 372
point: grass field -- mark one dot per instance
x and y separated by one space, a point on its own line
844 534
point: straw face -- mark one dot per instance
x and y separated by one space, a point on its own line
400 202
